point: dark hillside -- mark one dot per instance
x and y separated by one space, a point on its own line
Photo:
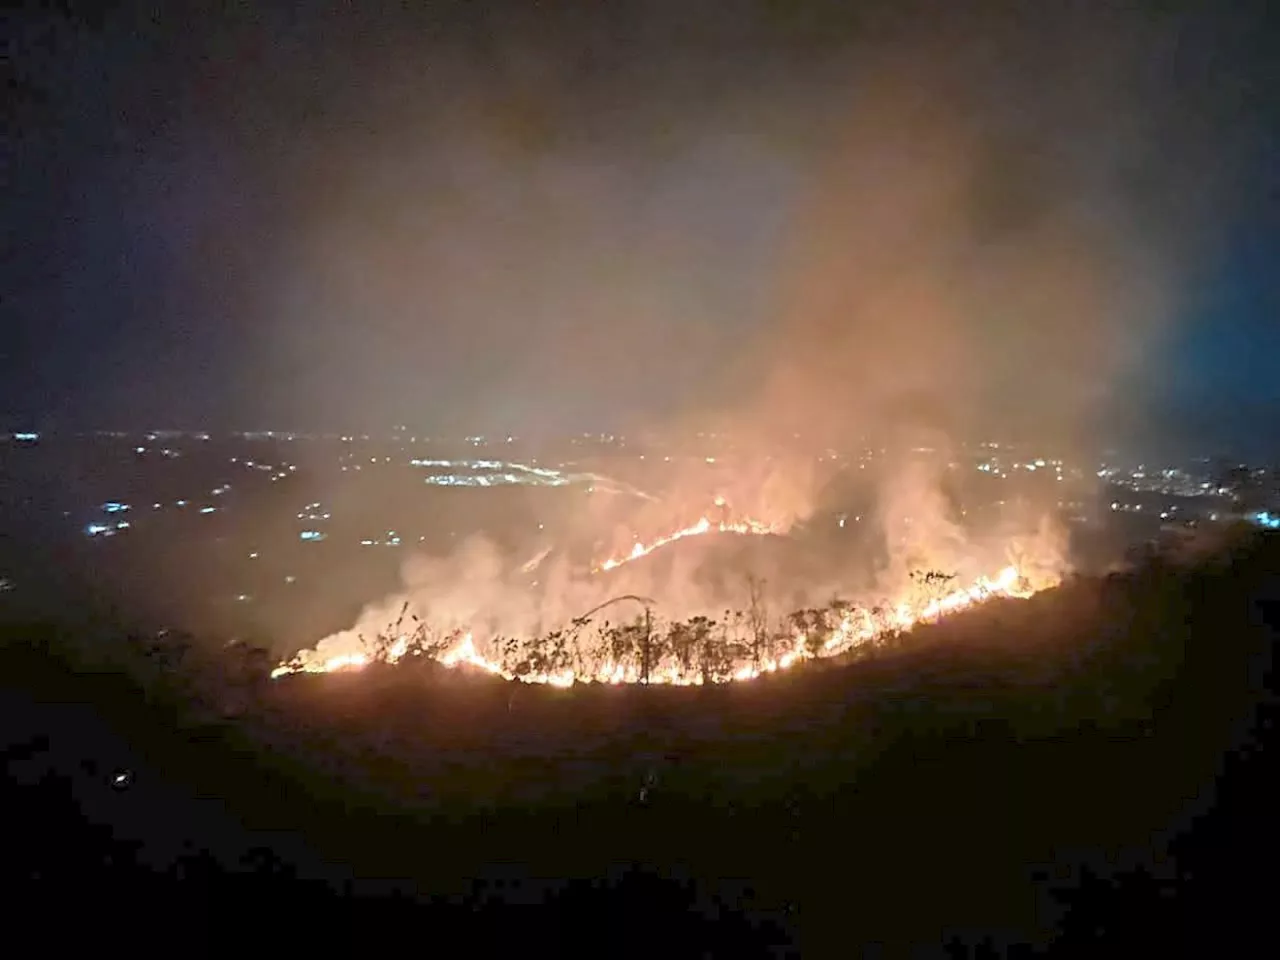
1082 771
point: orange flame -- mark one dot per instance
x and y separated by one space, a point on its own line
858 626
698 529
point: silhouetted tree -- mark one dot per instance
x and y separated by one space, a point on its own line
757 619
632 639
682 638
538 654
812 624
510 652
660 647
576 657
557 651
713 658
932 585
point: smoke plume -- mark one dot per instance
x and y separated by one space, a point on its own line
906 231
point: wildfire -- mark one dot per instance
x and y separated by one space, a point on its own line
856 626
703 526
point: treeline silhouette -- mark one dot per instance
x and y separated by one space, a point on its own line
1084 771
698 650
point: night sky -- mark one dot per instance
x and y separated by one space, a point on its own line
555 217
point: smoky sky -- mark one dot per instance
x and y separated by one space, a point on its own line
778 217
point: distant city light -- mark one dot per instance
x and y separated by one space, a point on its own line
311 535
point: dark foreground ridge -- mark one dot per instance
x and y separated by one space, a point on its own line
1080 773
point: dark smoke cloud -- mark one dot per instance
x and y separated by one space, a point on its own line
515 217
959 222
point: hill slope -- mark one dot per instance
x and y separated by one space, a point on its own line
946 789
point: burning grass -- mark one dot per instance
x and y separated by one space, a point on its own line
740 645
